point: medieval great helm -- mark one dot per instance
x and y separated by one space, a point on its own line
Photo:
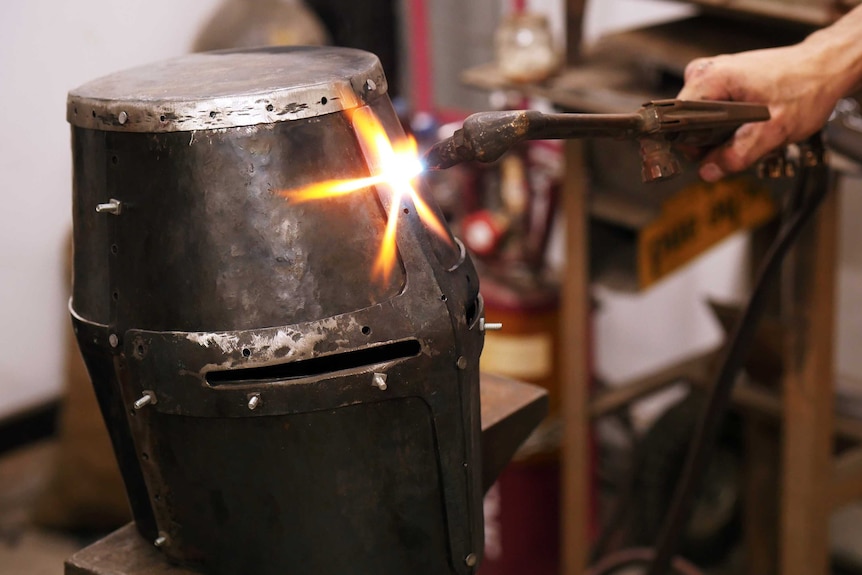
274 407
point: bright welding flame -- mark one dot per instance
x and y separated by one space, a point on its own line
394 165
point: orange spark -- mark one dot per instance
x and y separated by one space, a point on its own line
394 165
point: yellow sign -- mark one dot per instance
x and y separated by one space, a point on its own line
524 356
697 218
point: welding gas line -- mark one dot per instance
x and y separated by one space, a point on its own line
803 205
626 499
631 555
811 174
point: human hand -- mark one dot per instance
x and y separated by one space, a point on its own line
798 83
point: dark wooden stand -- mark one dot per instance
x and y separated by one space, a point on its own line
123 552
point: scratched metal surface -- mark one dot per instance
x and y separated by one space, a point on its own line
206 215
228 89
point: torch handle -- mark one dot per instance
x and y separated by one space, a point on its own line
486 136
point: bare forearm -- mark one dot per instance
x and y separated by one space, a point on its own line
839 50
800 84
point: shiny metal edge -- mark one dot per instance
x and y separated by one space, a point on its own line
226 112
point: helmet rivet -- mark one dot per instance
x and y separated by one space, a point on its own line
379 381
254 401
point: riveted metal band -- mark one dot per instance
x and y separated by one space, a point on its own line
228 89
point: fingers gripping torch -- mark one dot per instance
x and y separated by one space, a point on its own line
660 126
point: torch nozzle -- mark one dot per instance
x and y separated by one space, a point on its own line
446 153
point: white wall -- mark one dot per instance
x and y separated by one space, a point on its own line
48 47
604 16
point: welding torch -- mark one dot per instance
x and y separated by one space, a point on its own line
659 126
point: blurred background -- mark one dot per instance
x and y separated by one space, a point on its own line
426 47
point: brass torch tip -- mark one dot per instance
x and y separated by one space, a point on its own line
444 154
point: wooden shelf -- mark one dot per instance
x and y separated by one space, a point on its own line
604 86
619 72
670 46
815 13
